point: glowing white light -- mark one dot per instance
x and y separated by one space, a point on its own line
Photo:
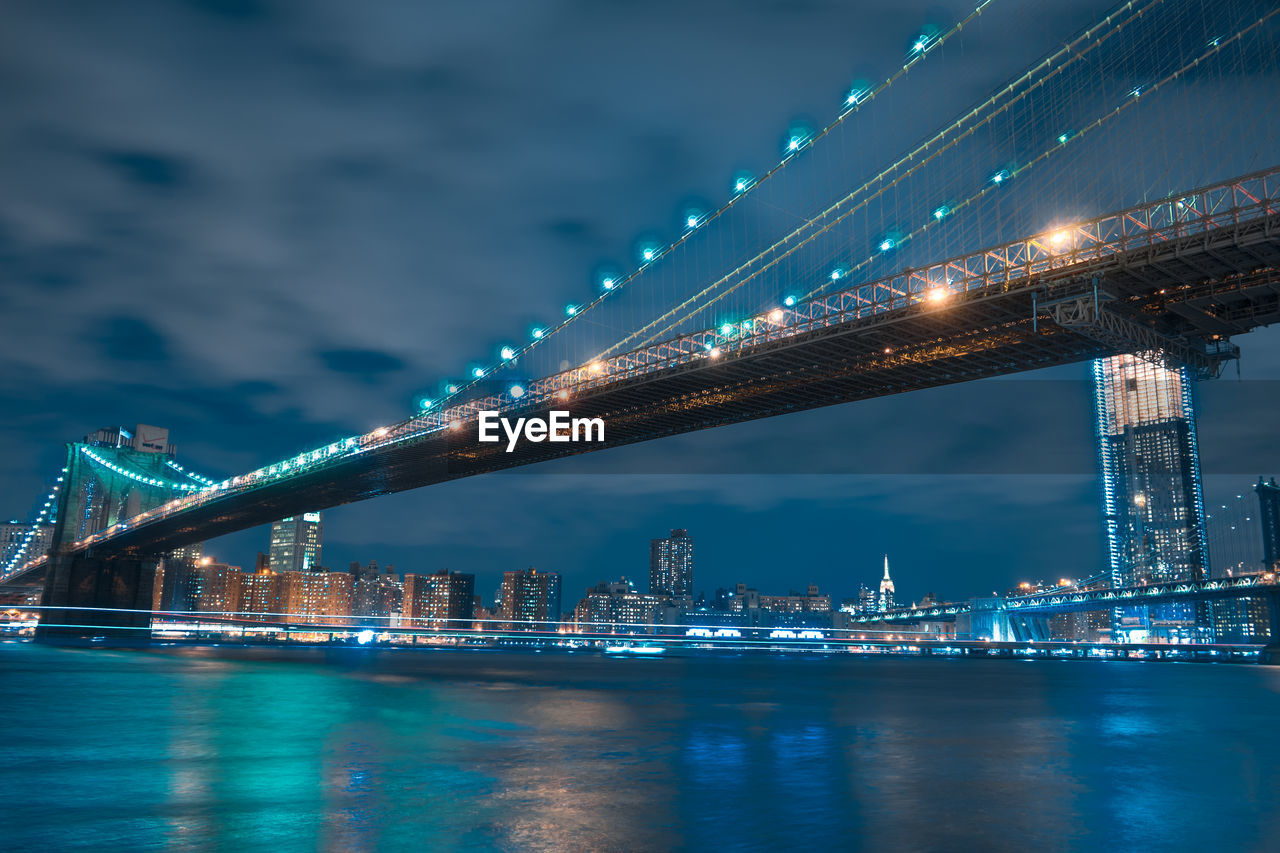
451 389
365 637
517 391
775 316
886 244
478 372
571 309
715 352
691 221
837 274
426 402
726 329
789 301
793 144
538 333
649 254
507 353
937 294
608 284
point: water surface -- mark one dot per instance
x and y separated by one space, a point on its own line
228 749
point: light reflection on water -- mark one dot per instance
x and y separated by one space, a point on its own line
366 750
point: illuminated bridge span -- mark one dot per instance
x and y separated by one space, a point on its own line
1007 613
1178 276
710 338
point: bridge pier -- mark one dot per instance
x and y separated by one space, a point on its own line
118 590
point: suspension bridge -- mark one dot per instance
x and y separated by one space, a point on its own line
837 309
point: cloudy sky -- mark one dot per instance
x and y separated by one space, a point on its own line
266 225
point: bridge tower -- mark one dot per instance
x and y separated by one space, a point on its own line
111 475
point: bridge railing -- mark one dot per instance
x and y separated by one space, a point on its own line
1208 209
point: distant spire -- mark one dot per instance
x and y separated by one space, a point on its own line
886 567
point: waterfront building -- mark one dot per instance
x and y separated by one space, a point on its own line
530 600
442 599
215 587
1152 496
316 597
671 565
615 607
1236 548
811 609
296 543
260 593
378 595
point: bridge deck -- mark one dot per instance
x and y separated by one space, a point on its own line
1194 276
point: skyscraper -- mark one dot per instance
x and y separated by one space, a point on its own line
671 565
530 599
295 543
885 601
1152 497
1269 513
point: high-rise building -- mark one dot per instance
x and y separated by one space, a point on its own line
530 600
1269 513
885 600
295 543
671 565
443 599
1152 495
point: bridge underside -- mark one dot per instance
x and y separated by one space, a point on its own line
1198 291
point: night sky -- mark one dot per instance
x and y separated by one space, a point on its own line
269 225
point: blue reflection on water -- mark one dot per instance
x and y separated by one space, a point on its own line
367 750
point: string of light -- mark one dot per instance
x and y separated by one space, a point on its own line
1056 65
46 515
797 141
135 476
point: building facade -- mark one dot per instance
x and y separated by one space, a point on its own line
1269 515
530 600
1152 496
615 607
442 599
671 565
26 542
316 597
296 542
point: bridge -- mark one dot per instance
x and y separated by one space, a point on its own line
1172 279
1007 617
